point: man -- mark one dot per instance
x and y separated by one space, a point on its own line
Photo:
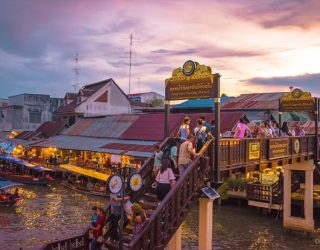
115 202
185 152
206 124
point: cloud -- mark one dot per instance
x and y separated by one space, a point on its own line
307 82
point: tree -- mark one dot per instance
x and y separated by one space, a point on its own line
155 102
224 95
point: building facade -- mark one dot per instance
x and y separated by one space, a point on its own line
28 111
146 97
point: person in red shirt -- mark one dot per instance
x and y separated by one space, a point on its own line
97 231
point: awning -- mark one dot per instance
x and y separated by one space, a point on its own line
8 184
86 172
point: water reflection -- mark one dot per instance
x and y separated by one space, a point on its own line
45 214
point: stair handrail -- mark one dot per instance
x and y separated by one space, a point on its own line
169 196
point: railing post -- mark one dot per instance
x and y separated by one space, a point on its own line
205 223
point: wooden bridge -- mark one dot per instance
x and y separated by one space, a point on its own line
165 219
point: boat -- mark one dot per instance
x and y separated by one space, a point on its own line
21 171
7 197
84 180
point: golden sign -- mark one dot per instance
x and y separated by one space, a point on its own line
297 100
254 151
278 148
193 81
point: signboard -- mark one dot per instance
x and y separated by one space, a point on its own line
253 150
192 81
296 146
75 243
278 148
297 100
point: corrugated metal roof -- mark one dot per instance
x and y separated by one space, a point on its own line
91 144
261 101
112 126
200 103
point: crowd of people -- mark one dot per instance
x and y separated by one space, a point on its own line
266 129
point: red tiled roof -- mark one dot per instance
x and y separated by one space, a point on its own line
72 96
51 128
129 147
69 108
257 101
151 126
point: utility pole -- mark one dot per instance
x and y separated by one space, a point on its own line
76 70
130 62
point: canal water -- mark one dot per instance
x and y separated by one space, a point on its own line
52 213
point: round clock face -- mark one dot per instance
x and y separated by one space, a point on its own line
115 184
188 68
135 182
296 93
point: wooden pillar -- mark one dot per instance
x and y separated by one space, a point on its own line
175 242
316 157
205 223
166 118
216 85
297 223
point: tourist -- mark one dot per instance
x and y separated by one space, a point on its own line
157 159
299 131
184 129
276 129
241 129
201 135
212 127
97 231
263 132
165 179
94 217
186 152
269 128
173 153
115 203
206 124
284 131
138 224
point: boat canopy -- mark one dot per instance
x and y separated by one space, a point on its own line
8 184
85 172
23 163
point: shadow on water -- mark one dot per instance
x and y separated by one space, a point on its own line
45 214
242 227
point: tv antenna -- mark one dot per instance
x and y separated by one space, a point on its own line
131 37
76 70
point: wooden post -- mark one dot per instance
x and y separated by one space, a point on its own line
205 223
166 118
175 242
316 157
280 122
216 157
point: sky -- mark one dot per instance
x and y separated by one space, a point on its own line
257 46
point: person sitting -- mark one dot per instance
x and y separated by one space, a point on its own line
138 225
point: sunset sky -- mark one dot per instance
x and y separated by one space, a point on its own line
257 46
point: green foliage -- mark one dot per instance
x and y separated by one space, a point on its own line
223 191
156 102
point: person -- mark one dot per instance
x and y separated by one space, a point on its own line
89 185
212 127
201 135
206 124
184 129
165 179
94 217
269 128
241 129
263 131
97 231
186 151
276 129
138 225
299 131
173 153
284 131
115 203
157 159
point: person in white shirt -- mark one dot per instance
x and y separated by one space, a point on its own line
165 179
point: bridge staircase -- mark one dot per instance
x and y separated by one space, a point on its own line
163 219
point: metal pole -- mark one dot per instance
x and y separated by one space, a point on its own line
217 126
316 158
280 122
166 118
122 210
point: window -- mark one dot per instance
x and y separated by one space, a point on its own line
34 116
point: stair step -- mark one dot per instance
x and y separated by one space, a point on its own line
148 205
150 197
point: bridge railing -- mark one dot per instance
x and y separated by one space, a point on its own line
168 216
235 152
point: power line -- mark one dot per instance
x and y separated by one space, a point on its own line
131 36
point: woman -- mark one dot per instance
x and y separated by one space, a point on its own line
284 131
97 231
241 129
165 179
264 132
200 133
184 129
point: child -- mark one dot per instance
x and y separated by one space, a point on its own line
138 225
94 217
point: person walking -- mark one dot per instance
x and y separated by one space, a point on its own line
186 152
184 129
157 159
165 179
173 153
97 231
